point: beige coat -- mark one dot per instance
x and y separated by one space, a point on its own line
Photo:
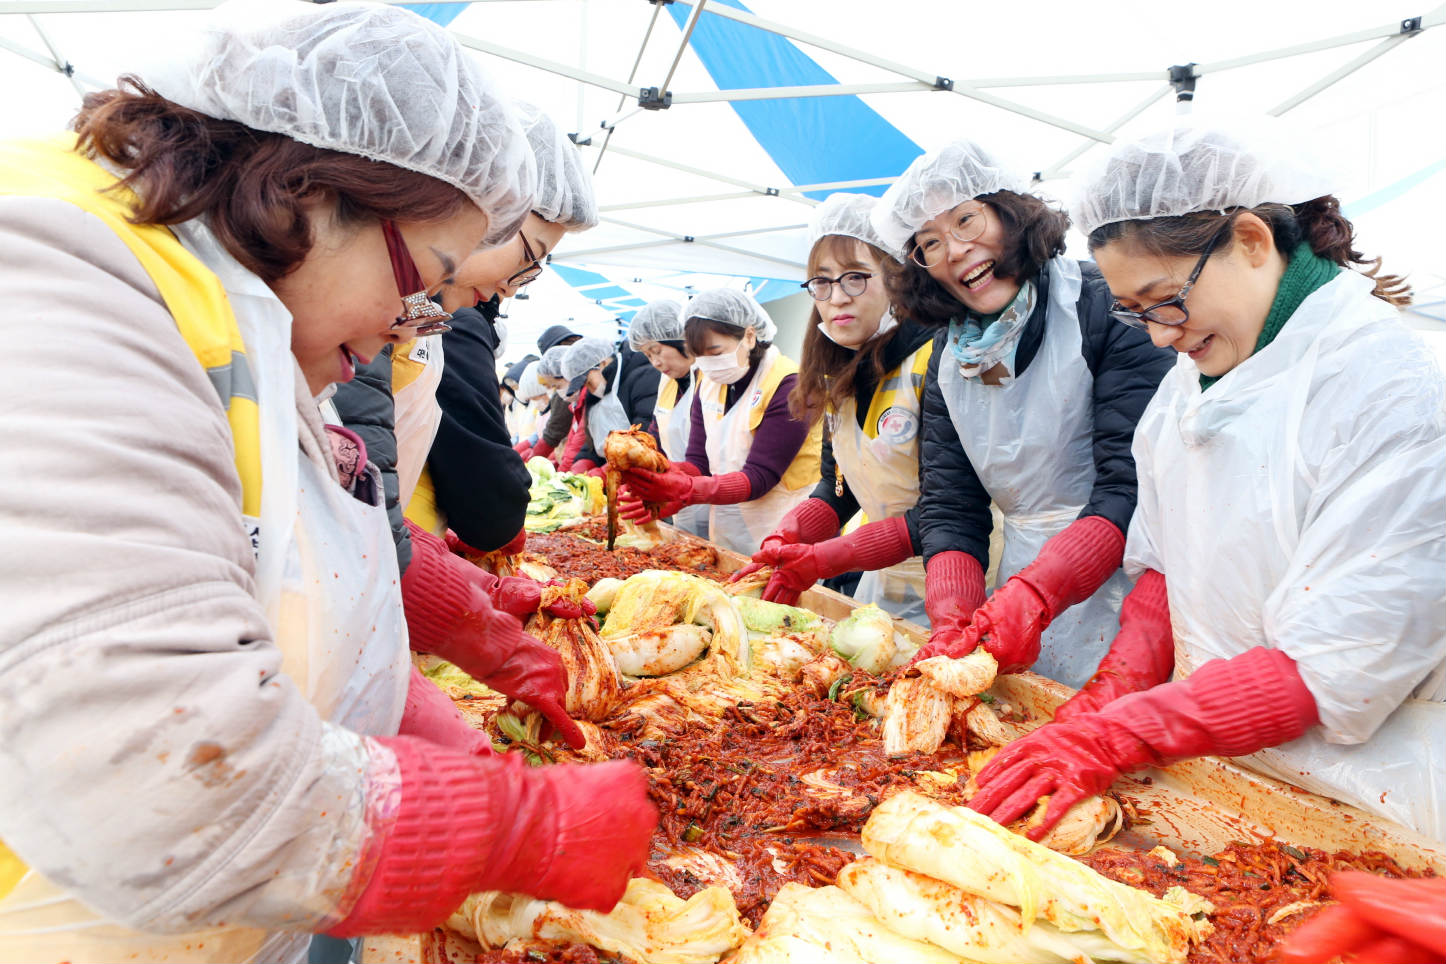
154 762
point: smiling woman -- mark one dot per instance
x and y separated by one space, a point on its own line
209 251
1030 402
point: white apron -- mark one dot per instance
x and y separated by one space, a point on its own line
1300 504
742 527
1030 442
327 576
417 414
674 426
607 414
882 471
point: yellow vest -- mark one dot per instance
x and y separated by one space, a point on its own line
803 470
51 168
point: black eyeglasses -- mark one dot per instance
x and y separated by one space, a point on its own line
853 284
1172 312
530 273
419 311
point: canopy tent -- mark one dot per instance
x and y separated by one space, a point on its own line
715 127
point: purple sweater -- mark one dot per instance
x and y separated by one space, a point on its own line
777 441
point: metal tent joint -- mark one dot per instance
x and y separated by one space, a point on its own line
579 140
943 83
1182 78
650 98
1411 25
771 191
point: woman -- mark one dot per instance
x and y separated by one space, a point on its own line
468 451
554 423
1030 401
203 664
866 371
614 390
750 462
1290 543
533 398
657 332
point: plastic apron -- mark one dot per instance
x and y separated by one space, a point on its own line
742 527
1030 442
326 574
1295 527
416 373
882 470
674 415
607 414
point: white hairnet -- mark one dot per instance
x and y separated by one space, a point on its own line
1197 167
656 321
550 365
935 183
734 308
360 78
564 186
528 386
585 354
848 215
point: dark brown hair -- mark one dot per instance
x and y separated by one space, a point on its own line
827 371
1033 233
695 330
1319 223
251 186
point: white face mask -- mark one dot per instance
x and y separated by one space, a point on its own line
723 369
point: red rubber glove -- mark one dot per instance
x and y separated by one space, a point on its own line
1141 656
449 613
543 449
1378 919
583 467
1204 714
797 567
1068 570
524 449
811 521
515 595
680 486
431 716
574 834
953 589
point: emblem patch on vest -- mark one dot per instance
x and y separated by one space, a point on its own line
896 425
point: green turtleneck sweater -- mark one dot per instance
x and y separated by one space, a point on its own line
1306 272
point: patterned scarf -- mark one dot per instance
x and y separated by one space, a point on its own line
978 347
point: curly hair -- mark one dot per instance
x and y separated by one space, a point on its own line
1318 222
253 187
1033 231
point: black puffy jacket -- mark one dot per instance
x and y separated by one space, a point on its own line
953 508
481 483
907 338
638 392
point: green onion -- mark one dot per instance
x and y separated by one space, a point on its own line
1297 854
693 834
1210 861
838 684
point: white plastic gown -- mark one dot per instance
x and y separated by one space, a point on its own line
327 576
1300 504
1031 444
883 473
675 424
607 414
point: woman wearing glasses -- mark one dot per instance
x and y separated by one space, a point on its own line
1030 401
202 663
749 458
1292 498
865 371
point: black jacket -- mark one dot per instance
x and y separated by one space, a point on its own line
907 338
953 504
480 481
638 392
